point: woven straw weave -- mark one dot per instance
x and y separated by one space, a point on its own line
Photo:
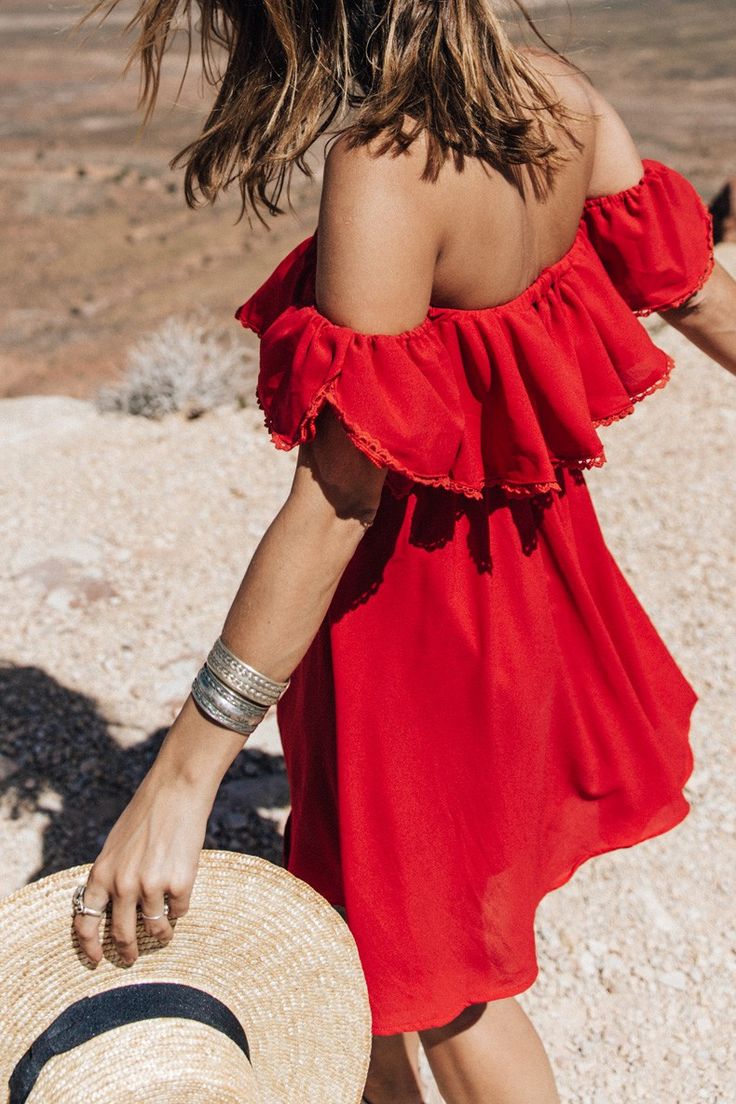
256 937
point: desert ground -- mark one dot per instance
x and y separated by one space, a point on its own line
125 539
116 526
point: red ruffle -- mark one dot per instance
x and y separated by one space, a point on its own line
655 239
498 396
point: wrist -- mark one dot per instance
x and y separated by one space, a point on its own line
196 752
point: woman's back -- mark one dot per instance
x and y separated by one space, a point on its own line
470 229
495 243
391 243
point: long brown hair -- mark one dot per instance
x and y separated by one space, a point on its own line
293 67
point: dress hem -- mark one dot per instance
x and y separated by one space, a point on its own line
443 1017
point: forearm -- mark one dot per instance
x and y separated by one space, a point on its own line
289 585
279 606
710 323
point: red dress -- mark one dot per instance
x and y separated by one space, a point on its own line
486 704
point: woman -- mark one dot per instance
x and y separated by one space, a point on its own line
441 353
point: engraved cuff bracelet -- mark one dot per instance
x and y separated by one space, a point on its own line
232 693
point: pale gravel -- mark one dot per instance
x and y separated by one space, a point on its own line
124 541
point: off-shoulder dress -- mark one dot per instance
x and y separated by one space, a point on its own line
486 704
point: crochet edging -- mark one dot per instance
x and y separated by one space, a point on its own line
680 301
372 448
657 385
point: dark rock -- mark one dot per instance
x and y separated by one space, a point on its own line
723 210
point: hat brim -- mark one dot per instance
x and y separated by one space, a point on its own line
257 938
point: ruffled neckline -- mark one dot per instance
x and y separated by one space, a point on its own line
499 395
306 250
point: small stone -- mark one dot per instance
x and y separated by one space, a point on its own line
7 767
50 802
675 979
234 820
61 600
587 963
703 1023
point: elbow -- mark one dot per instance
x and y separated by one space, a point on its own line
346 501
716 296
348 485
361 509
336 512
689 311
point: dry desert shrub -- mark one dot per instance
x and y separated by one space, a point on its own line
188 365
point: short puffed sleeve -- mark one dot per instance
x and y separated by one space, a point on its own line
655 239
393 393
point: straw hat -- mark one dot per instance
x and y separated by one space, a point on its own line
260 998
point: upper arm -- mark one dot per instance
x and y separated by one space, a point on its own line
711 307
616 161
376 252
378 240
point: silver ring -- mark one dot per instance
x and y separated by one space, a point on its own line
78 906
160 915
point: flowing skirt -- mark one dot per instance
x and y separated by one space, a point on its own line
485 706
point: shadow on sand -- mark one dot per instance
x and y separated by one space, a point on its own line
57 755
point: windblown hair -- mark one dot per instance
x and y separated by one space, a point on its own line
291 68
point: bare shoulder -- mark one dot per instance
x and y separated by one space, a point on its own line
570 85
616 163
377 241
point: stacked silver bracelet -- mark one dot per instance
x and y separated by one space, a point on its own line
232 693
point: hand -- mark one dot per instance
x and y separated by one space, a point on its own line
152 849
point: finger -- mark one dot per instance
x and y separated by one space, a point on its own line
179 897
152 903
87 928
124 921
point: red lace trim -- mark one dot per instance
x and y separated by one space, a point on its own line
644 312
375 451
629 408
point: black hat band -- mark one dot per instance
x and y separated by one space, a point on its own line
126 1004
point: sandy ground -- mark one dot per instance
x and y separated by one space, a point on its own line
125 540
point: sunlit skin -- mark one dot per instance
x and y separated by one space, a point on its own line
389 245
709 319
153 848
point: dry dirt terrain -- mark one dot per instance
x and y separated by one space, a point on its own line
124 542
124 538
